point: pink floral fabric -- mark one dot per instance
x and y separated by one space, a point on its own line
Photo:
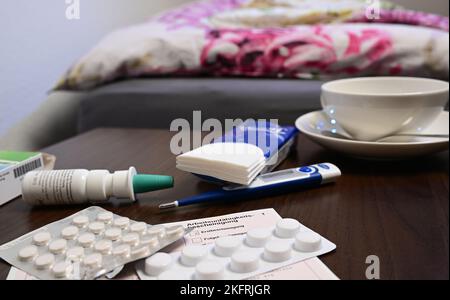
194 40
194 14
408 17
304 52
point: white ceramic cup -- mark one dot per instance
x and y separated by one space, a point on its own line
370 108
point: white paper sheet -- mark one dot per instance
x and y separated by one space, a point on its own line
240 223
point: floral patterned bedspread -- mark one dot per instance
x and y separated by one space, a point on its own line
318 39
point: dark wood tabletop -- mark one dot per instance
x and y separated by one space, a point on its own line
397 210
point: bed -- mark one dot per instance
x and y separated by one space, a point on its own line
156 102
278 39
246 59
249 59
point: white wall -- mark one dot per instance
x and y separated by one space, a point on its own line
38 43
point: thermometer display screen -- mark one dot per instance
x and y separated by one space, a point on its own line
277 175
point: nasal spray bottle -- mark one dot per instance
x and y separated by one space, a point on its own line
81 186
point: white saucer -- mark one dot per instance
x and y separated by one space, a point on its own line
397 147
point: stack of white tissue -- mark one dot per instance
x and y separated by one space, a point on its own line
233 162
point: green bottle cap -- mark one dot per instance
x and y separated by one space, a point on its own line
143 183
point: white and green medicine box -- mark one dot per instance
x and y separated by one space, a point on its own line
13 166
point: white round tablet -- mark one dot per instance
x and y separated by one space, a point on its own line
44 261
150 241
175 232
80 221
138 227
226 245
69 232
122 250
105 217
57 246
157 263
277 251
121 222
93 260
75 253
158 230
287 228
131 239
193 254
173 275
113 234
258 237
307 241
86 239
62 269
209 270
244 262
28 253
96 227
42 238
103 246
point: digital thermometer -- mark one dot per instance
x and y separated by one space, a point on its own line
269 184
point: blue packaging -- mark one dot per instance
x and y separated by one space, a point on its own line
260 133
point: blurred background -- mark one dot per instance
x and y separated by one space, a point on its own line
38 43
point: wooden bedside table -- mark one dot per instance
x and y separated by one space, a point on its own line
395 210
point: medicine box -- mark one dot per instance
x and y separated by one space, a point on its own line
13 166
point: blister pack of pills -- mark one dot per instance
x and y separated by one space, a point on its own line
87 245
238 257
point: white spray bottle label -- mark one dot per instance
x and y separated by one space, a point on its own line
76 186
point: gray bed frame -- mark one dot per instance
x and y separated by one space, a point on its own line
155 102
